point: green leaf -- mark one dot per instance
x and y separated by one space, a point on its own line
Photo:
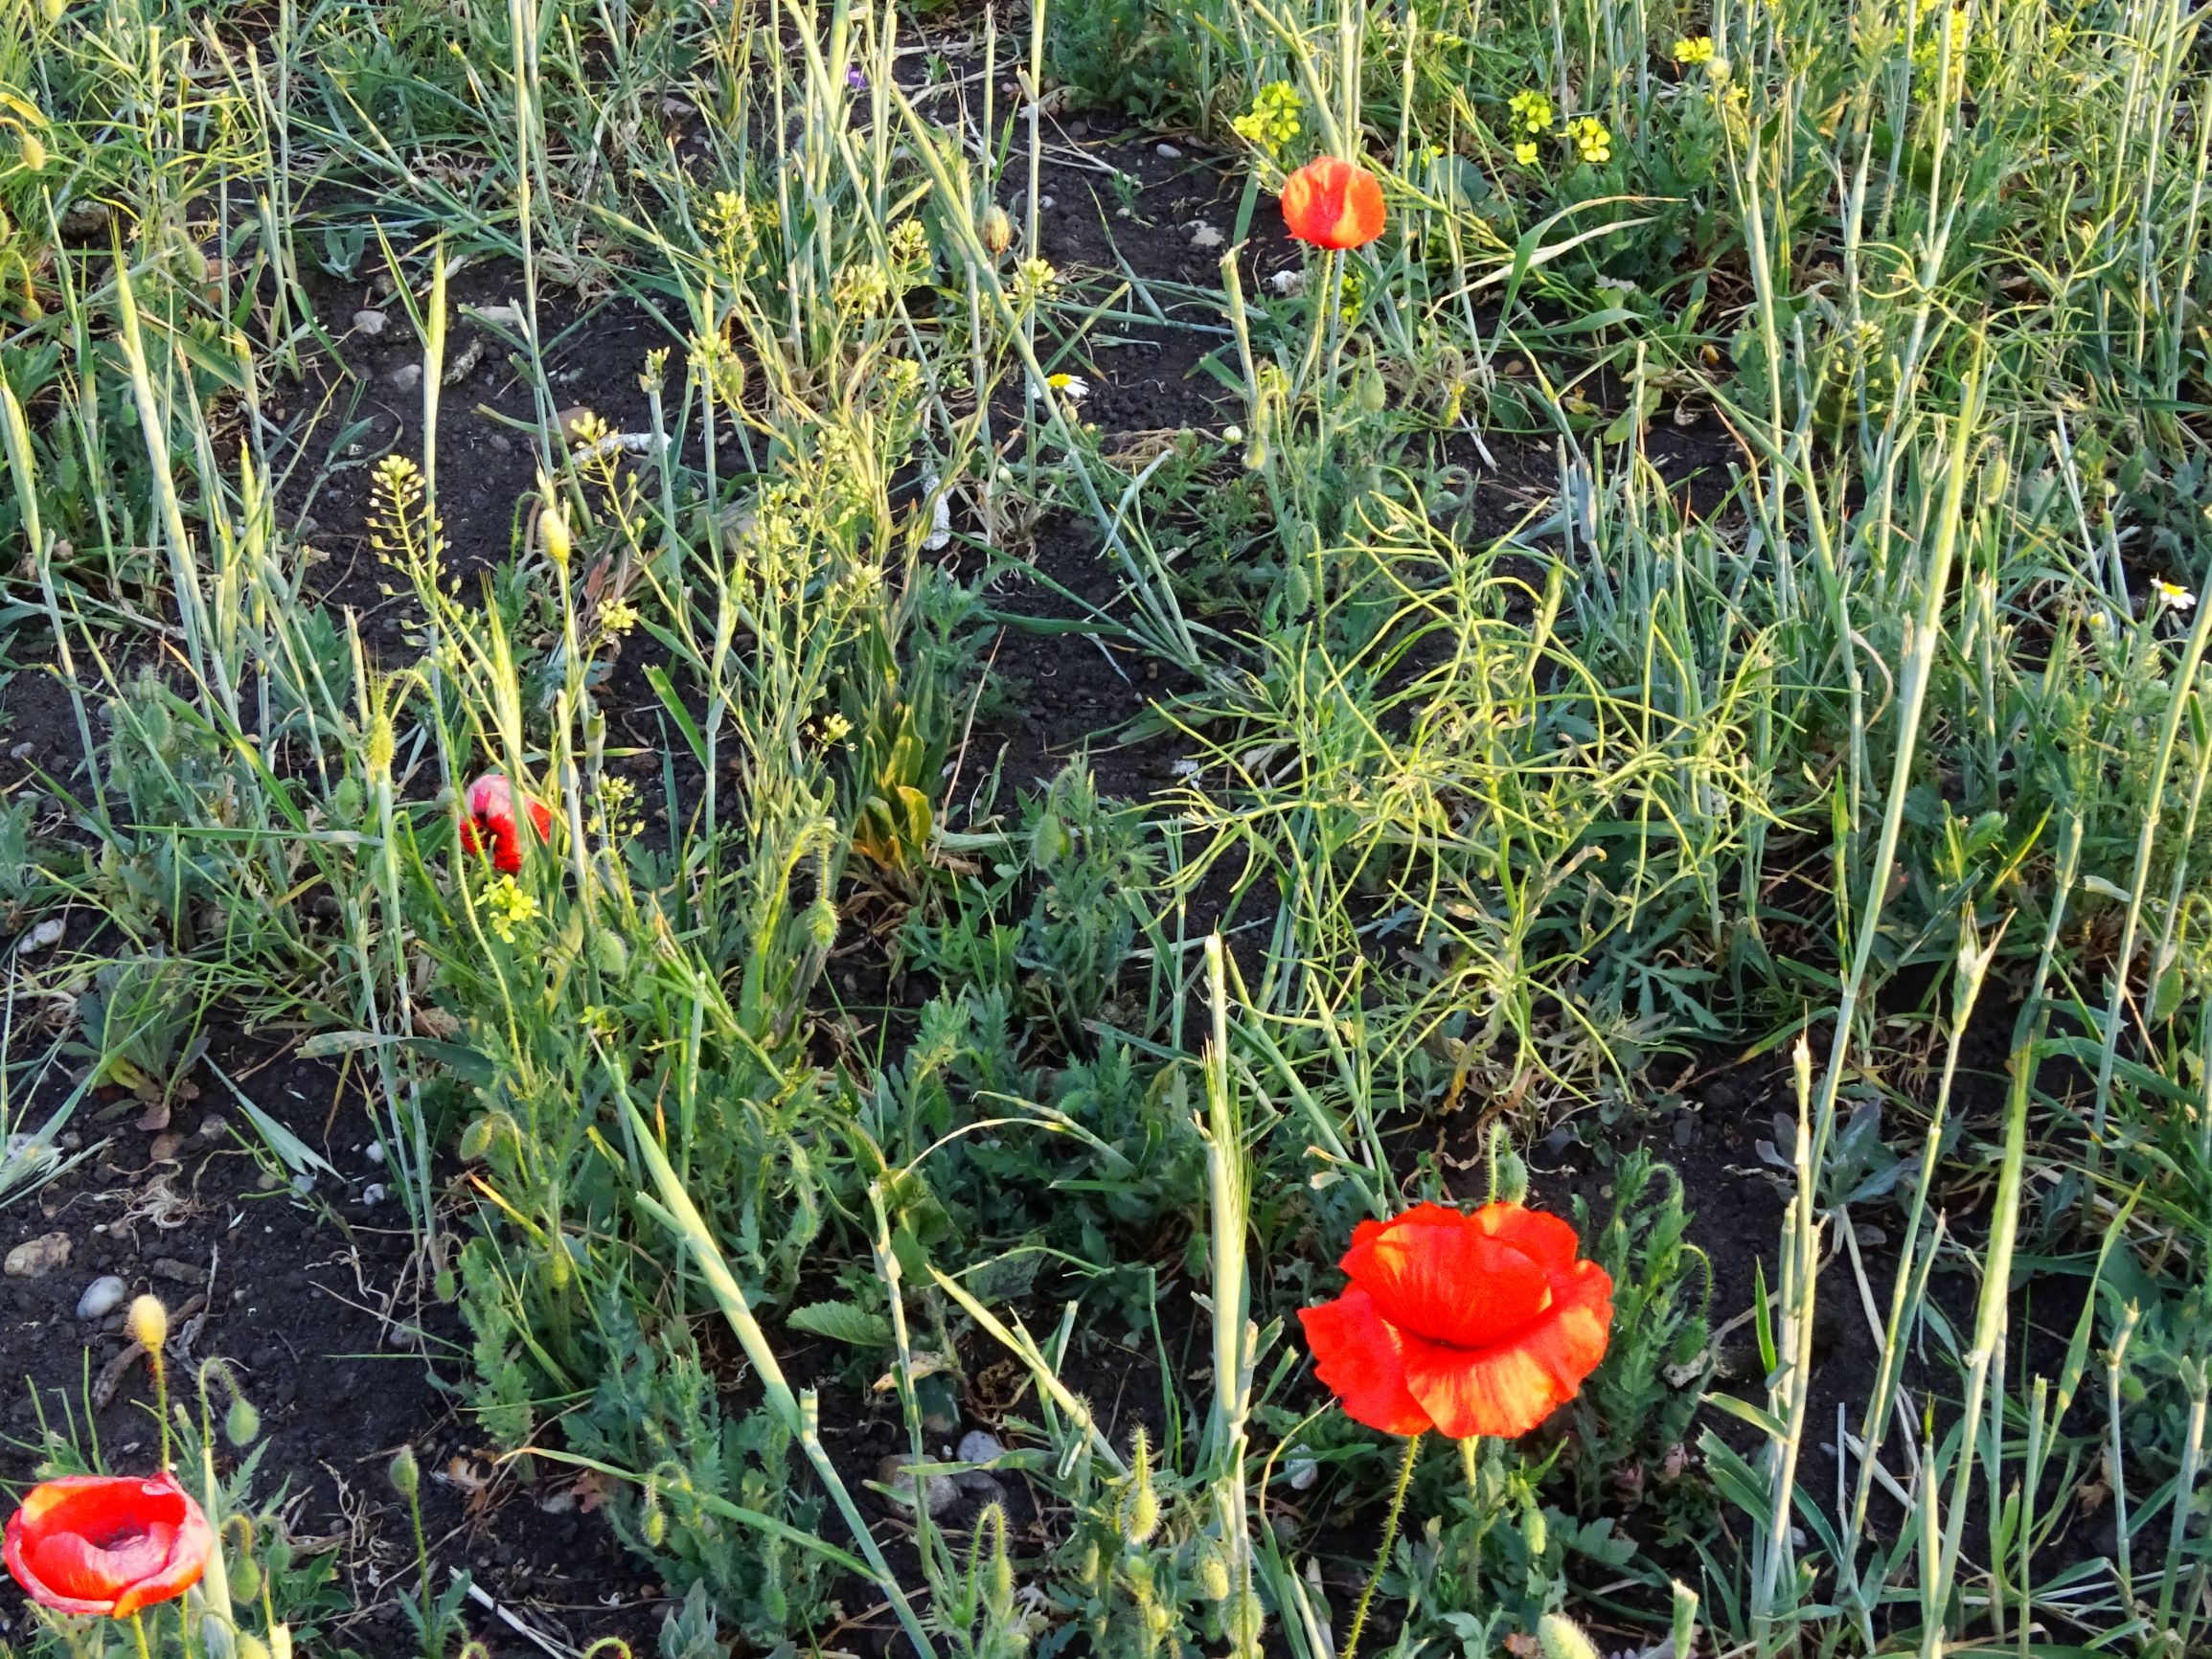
841 1322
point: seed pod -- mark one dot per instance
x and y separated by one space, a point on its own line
998 230
405 1476
33 152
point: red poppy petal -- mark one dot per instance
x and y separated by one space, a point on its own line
1356 1356
16 1549
72 1564
1545 1236
1433 1215
1508 1390
1453 1283
1363 210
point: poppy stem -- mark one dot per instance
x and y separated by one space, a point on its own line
138 1629
1382 1556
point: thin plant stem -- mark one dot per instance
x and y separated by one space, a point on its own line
1389 1541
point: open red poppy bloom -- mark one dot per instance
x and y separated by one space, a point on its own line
487 815
108 1544
1333 204
1477 1323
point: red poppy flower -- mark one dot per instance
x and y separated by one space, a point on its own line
108 1544
1333 204
487 815
1477 1323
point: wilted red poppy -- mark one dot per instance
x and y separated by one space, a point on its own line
1475 1324
108 1544
487 814
1333 204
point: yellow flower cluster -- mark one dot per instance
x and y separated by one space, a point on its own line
1590 139
1532 117
1273 119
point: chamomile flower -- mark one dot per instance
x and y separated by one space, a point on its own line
2175 598
1073 387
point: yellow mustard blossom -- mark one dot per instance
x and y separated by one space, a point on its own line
507 906
1591 141
1693 50
1273 119
1532 112
1524 152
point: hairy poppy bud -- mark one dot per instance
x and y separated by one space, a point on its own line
1561 1638
405 1475
149 1323
1139 1516
998 230
1213 1570
553 530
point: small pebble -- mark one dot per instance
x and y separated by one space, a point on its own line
102 1297
369 323
46 933
939 1492
303 1184
178 1272
37 1257
165 1147
373 1152
1301 1470
408 376
211 1127
1203 237
24 751
373 1194
1045 204
1168 153
979 1447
